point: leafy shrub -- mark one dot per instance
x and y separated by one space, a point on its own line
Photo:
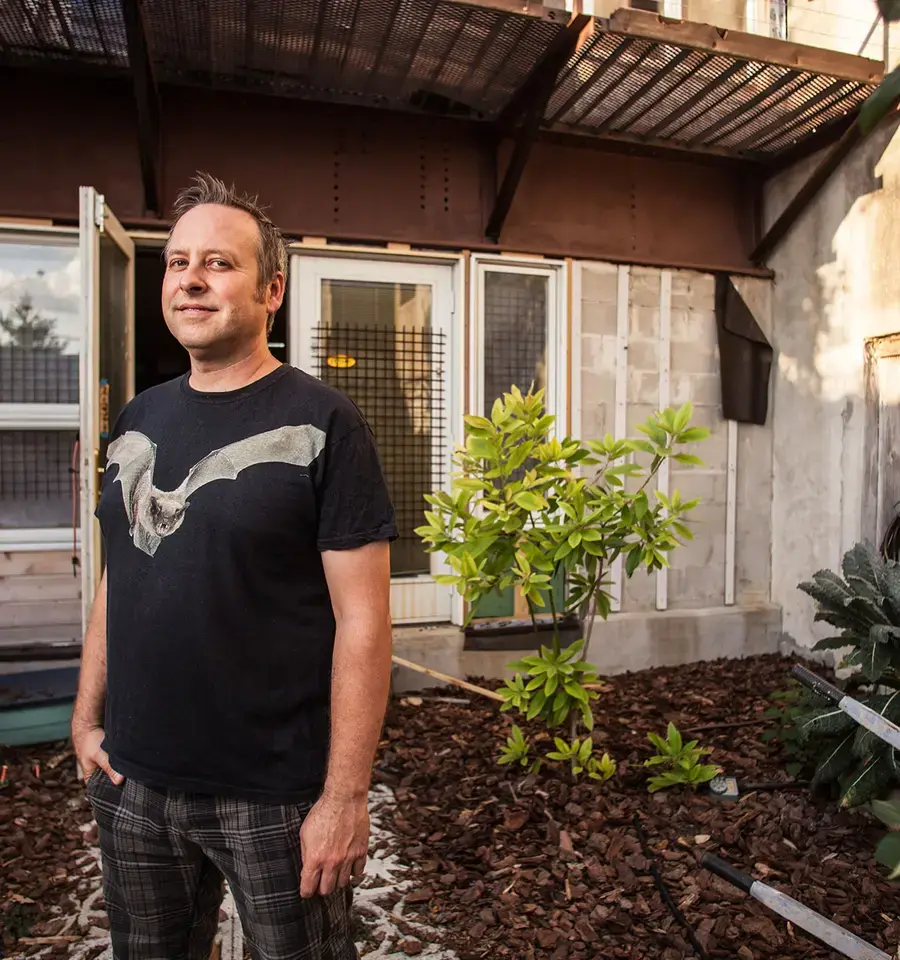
864 606
679 762
520 512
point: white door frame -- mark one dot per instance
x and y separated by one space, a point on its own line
95 220
416 599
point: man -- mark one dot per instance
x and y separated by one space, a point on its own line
236 666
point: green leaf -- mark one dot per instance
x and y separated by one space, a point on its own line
887 811
688 459
682 417
693 435
880 103
887 853
875 659
833 763
530 501
479 423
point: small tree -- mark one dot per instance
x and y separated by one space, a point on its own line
520 512
27 328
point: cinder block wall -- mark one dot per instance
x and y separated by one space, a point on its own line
697 577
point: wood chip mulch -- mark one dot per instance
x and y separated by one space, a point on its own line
536 867
505 865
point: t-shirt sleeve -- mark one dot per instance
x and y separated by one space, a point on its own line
354 505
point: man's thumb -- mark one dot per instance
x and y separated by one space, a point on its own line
103 761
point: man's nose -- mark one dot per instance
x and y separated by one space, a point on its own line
192 279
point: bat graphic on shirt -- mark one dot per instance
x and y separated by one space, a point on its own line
154 514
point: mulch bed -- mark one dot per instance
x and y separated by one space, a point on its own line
44 857
535 867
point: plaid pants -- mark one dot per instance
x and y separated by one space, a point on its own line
165 854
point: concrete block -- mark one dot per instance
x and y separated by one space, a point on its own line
697 327
598 354
599 283
598 317
643 323
694 357
701 389
708 486
645 287
643 386
640 592
597 419
644 355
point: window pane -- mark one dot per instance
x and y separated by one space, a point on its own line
40 324
376 344
515 333
36 479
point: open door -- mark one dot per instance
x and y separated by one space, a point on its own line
107 363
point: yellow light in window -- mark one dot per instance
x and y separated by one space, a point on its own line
341 361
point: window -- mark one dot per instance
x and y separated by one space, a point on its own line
518 332
40 346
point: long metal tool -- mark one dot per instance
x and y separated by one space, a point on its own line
797 913
863 715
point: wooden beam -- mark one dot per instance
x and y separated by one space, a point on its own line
852 136
527 8
744 46
541 89
146 100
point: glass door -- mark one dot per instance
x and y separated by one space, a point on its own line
382 333
107 362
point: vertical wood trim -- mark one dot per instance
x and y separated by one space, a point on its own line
665 362
573 353
623 306
731 512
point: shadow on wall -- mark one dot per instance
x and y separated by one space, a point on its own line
837 285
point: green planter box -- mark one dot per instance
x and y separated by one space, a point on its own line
36 706
503 603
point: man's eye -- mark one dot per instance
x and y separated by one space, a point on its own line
176 263
221 263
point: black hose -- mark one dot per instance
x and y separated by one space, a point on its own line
666 894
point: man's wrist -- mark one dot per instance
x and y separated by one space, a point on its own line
338 793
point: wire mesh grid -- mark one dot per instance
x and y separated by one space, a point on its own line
395 375
515 334
36 465
83 30
645 88
37 376
381 52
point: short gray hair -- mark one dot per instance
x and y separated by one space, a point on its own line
271 251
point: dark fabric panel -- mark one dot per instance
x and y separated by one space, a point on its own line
745 357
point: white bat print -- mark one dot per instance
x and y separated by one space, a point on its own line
154 514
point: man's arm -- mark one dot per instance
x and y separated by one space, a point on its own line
87 714
335 836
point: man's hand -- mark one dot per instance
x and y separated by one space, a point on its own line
334 844
90 753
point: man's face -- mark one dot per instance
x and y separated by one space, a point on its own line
210 293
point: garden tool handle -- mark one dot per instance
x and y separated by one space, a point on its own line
815 683
727 872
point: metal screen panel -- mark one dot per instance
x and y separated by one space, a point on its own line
36 478
89 31
397 381
37 376
643 88
376 52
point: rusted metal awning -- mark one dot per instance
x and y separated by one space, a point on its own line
633 77
694 87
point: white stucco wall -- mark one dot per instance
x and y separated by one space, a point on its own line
837 284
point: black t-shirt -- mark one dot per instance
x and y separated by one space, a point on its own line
214 510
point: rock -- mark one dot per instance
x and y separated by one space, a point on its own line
411 946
